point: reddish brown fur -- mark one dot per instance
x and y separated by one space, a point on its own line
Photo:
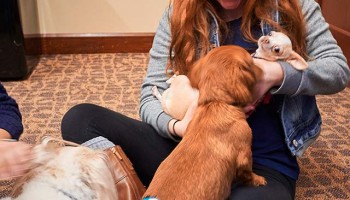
216 148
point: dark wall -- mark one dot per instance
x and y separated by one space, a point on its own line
12 55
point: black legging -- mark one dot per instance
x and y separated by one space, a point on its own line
140 142
147 149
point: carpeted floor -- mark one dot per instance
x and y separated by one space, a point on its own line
113 80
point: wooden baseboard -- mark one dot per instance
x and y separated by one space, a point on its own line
88 43
343 37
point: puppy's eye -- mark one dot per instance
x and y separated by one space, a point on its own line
269 34
276 49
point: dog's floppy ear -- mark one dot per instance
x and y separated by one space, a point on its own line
195 74
170 80
225 74
46 150
297 61
241 79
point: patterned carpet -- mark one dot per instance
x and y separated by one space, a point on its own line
113 80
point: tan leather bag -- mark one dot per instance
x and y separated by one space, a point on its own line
128 184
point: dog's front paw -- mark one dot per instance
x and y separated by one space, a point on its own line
155 91
258 180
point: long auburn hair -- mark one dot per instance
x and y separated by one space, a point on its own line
190 23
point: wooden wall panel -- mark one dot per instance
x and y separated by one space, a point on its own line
337 14
81 44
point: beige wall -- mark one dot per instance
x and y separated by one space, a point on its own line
91 16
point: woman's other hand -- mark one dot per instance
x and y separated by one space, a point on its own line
272 76
15 159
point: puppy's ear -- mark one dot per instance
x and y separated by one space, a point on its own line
297 61
45 151
242 81
195 73
171 79
227 74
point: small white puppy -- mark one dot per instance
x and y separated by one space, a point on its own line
277 46
66 173
178 97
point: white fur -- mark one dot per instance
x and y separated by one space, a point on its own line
178 97
277 46
68 173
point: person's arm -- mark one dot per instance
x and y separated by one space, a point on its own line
11 119
15 159
4 134
150 108
327 71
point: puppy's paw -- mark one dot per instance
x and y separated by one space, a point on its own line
258 180
155 91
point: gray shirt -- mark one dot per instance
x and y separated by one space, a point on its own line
327 72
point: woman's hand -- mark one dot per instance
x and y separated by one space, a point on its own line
15 159
272 75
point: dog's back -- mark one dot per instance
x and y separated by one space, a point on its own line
216 148
204 162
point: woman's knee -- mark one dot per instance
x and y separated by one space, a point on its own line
274 190
76 120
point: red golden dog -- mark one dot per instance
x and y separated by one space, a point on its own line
216 149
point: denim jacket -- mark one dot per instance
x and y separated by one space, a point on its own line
327 73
